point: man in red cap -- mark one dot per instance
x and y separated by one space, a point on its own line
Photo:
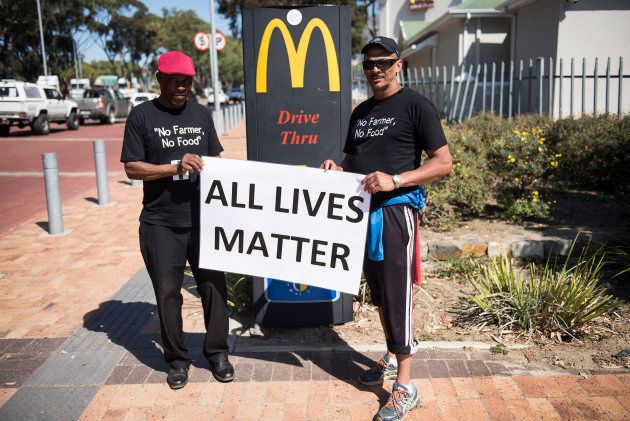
163 144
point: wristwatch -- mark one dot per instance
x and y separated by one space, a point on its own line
396 180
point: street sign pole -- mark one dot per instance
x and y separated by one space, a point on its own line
41 37
215 69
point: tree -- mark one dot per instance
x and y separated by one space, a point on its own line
126 32
173 35
232 9
231 62
20 51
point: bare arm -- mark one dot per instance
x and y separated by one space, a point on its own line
139 170
438 165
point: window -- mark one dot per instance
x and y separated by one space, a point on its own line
50 93
95 94
8 92
32 92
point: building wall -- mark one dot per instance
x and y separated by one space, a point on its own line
394 11
593 29
447 51
493 42
536 28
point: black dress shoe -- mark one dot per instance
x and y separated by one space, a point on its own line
177 378
222 371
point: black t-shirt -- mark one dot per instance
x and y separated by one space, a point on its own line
389 135
159 135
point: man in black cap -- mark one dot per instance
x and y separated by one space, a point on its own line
163 144
386 137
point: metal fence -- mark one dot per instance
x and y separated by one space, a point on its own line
228 117
540 85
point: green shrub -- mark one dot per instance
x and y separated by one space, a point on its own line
595 152
513 163
525 207
487 128
545 300
456 267
239 292
522 159
467 186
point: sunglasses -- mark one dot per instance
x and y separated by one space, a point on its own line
382 64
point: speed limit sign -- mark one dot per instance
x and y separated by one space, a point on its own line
201 41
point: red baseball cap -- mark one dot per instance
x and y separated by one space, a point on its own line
176 63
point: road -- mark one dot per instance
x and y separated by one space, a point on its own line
22 195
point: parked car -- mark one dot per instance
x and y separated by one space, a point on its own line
78 87
28 104
104 104
209 93
236 95
141 97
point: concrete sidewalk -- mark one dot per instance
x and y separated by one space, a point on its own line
79 339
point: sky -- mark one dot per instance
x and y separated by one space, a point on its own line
202 7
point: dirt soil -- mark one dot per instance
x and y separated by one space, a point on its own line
441 301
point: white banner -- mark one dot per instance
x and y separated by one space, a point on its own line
284 222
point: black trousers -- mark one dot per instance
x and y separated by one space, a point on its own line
165 251
391 280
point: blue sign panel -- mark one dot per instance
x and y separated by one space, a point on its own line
294 292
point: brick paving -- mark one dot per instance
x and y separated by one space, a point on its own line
57 291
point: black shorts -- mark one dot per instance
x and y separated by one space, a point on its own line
391 280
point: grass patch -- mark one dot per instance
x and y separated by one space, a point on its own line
456 267
499 349
550 299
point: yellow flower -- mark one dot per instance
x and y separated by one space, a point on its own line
554 163
535 192
459 164
558 155
516 132
541 140
540 149
535 199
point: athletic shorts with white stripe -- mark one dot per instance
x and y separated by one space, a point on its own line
391 280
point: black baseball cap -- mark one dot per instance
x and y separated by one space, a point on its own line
387 43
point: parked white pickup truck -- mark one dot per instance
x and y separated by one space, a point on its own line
27 104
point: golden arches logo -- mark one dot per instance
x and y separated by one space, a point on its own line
297 58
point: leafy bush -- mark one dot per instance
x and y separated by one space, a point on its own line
521 162
514 163
595 152
456 267
239 292
468 186
525 207
545 300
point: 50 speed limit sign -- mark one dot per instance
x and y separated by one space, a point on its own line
202 41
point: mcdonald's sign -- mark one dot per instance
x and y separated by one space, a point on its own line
297 96
297 58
